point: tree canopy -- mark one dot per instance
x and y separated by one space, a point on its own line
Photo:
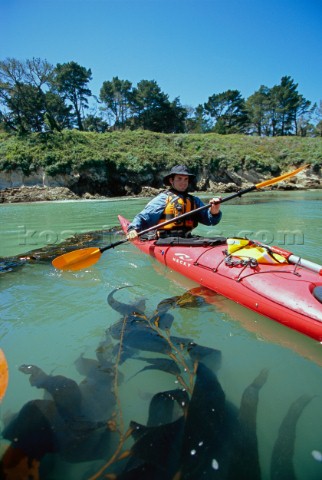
36 96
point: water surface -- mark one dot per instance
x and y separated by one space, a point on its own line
50 318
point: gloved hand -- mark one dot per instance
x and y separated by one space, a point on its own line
132 235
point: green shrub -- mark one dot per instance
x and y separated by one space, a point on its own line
143 152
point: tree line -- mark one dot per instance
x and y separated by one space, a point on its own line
36 96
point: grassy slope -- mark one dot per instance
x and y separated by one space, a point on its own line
144 152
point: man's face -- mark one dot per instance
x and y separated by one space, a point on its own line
179 182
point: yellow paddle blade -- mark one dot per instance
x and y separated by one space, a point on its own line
4 375
280 178
77 259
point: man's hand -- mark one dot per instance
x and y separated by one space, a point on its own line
132 235
215 205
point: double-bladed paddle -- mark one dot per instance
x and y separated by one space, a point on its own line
85 257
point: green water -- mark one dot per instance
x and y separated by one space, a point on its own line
50 318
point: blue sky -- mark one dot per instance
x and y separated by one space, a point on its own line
191 48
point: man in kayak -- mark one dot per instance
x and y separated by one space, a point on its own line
172 203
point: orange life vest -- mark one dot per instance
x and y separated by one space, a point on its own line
175 206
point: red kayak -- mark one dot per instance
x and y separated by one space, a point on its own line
289 293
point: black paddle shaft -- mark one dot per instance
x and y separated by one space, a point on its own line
184 215
197 210
113 245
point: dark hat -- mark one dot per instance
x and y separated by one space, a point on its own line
178 170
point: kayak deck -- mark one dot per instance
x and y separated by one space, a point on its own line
286 293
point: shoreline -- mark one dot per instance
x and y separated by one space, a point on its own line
30 194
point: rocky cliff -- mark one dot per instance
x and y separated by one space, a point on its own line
15 186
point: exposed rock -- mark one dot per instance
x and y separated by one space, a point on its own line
36 194
96 187
222 187
16 179
150 191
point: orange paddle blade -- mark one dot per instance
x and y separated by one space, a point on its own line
280 178
77 259
4 375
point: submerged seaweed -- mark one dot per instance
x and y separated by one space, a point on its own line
49 252
192 432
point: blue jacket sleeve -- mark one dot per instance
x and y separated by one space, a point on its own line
151 213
